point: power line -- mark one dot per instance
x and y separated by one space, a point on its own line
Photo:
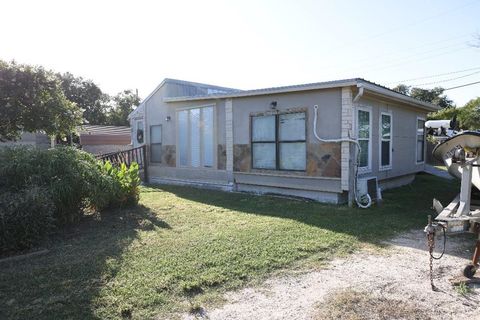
433 76
447 80
463 85
402 27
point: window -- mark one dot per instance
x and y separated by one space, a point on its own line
196 137
364 134
156 143
139 132
420 138
279 142
385 140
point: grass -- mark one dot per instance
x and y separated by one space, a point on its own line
354 305
183 247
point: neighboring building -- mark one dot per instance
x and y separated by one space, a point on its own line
263 140
36 139
104 139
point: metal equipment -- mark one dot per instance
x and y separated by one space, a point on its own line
461 155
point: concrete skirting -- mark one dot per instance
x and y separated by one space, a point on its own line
192 183
396 182
326 197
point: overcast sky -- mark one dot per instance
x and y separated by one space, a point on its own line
248 44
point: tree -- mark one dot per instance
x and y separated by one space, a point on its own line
434 96
31 99
469 115
123 103
88 96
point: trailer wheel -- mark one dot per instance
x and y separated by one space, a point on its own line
469 271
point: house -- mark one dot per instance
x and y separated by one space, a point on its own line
264 140
99 139
35 139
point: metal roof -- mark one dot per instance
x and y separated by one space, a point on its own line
359 82
103 130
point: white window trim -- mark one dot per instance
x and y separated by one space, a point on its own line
177 139
424 141
380 140
367 169
160 143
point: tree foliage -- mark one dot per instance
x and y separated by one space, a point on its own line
35 99
468 116
31 99
435 96
123 103
88 96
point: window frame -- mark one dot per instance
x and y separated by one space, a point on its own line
380 140
156 143
368 109
177 141
136 131
277 141
416 141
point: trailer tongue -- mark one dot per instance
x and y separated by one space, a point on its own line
461 155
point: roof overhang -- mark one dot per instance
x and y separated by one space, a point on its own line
268 91
370 88
389 94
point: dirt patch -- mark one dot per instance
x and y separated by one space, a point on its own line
396 276
355 305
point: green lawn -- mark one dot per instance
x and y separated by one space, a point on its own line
183 247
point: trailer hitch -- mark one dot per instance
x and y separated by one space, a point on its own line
431 230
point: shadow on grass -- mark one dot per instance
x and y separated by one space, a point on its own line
403 208
65 283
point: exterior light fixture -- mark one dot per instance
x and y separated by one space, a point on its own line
273 105
168 118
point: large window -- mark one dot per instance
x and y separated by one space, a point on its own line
196 137
156 143
364 134
420 138
279 142
385 141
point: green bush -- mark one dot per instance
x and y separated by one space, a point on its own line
117 187
66 173
65 182
26 217
73 178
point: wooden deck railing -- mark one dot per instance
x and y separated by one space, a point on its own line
137 155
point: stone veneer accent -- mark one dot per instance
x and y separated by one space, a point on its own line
169 155
221 157
241 157
323 160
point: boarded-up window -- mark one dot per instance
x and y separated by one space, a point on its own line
385 140
156 143
420 140
196 137
278 142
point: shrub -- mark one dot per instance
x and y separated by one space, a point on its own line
74 179
65 172
122 185
68 180
26 217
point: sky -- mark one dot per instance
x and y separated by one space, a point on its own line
248 44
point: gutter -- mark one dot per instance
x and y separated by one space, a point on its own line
395 96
